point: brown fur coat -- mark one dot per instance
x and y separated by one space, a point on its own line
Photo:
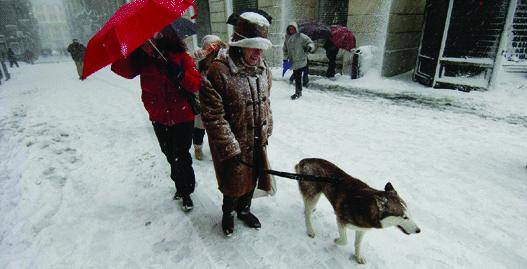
235 102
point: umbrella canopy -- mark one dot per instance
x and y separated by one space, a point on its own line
343 38
315 30
233 18
184 28
129 27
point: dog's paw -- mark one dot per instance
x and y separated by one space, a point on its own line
340 241
360 259
311 234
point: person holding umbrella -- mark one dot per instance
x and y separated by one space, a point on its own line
166 69
331 52
296 47
236 112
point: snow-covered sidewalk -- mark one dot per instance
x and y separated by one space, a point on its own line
83 183
506 101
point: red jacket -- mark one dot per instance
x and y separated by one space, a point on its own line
160 96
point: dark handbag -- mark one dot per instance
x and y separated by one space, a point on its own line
174 75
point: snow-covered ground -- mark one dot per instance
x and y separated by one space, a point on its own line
83 183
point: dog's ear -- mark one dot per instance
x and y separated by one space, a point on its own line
389 188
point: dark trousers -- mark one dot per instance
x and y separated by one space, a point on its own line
301 77
13 62
175 142
332 65
197 136
305 76
241 205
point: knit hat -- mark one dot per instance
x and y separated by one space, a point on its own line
207 40
251 31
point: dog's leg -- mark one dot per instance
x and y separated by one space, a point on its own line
358 239
343 237
309 206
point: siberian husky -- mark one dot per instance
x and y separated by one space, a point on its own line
357 205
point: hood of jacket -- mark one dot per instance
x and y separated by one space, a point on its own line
294 24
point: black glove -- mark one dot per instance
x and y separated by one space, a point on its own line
174 70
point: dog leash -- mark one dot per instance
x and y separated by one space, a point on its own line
297 177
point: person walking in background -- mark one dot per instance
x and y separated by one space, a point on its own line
164 76
29 57
11 56
76 50
211 45
236 112
295 49
331 53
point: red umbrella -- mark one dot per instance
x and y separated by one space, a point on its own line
130 26
342 37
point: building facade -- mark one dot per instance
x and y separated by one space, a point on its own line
18 26
52 23
86 17
392 26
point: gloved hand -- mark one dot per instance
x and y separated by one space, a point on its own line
174 70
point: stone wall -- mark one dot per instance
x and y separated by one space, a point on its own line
284 12
368 20
403 36
218 18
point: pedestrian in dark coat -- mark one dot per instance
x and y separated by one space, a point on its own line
11 57
296 47
331 53
162 84
77 50
236 112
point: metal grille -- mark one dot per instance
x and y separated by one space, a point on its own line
238 5
517 47
475 28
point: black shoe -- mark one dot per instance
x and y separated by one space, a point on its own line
250 220
227 223
187 204
177 196
295 96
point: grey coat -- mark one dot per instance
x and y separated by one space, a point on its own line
296 48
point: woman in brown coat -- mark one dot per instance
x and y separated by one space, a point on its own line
236 112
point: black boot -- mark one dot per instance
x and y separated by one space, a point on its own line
296 95
227 221
244 212
298 91
187 204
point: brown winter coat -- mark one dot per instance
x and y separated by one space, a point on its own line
231 98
